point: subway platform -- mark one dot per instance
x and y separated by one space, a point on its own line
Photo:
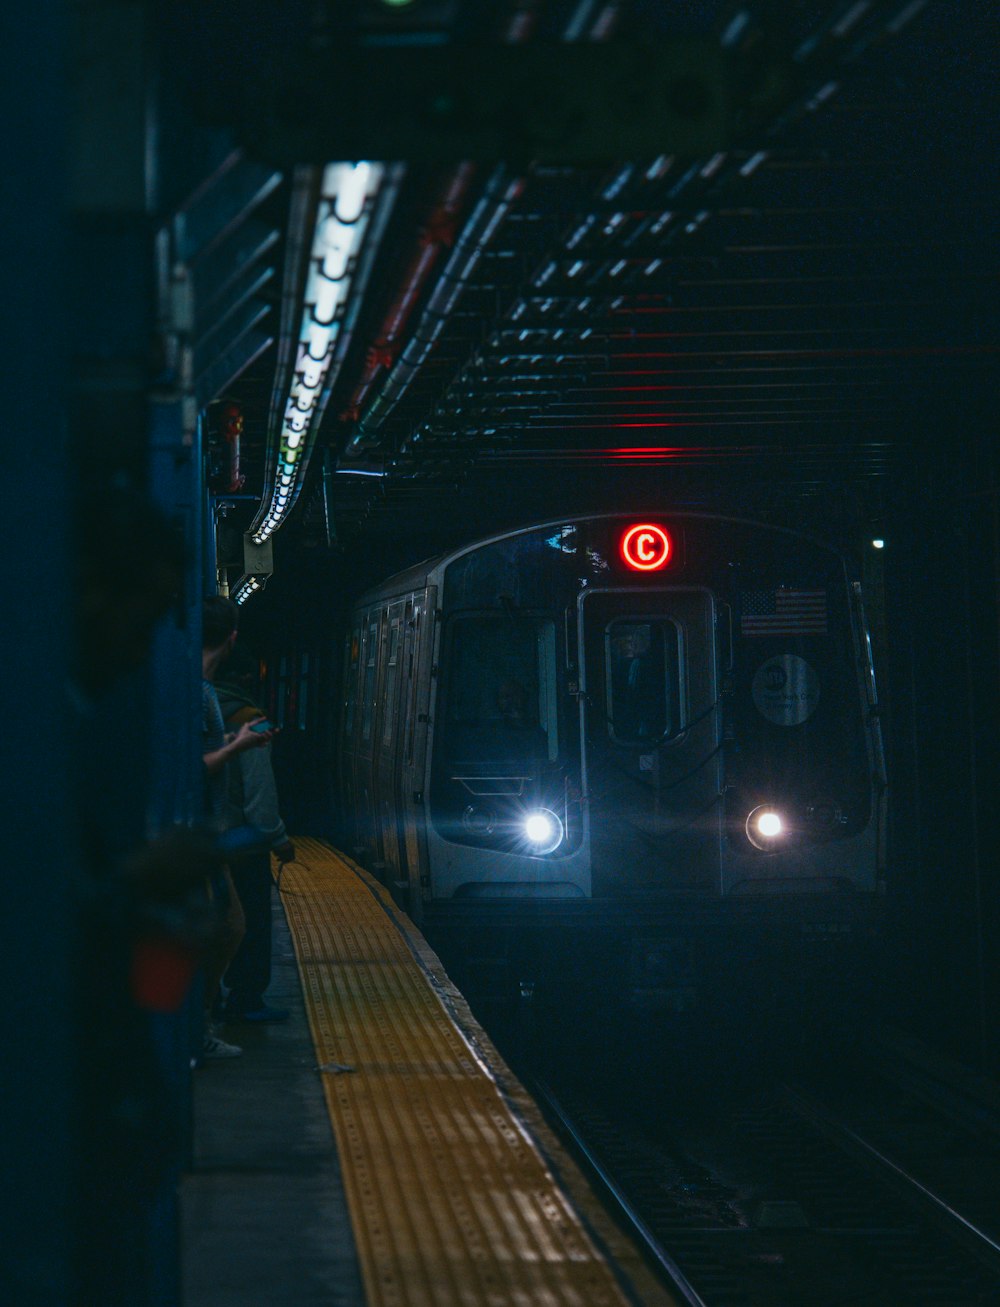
375 1149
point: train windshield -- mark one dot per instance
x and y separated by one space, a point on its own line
501 689
642 680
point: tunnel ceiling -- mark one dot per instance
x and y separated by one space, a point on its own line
773 316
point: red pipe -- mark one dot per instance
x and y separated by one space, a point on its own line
232 432
437 234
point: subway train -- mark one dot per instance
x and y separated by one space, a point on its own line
633 718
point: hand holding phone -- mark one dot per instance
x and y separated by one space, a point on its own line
261 726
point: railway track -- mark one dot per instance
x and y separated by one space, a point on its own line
870 1194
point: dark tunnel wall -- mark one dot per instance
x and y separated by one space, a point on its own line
36 1089
296 627
943 731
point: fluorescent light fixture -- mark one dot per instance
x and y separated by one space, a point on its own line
342 217
247 586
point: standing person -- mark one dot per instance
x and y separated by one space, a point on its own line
220 619
253 801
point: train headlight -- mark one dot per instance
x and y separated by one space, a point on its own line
543 830
766 828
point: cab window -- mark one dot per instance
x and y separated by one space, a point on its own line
642 685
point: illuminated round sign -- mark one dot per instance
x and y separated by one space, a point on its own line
786 690
645 547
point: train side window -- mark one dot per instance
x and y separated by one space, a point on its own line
353 657
642 682
390 683
502 689
371 657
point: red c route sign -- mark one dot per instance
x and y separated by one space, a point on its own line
645 547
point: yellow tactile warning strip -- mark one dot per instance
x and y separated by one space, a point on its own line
453 1190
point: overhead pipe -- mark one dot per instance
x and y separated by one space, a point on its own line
597 23
500 194
437 234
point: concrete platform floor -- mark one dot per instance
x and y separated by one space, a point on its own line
263 1217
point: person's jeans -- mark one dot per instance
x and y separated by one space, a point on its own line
229 934
249 972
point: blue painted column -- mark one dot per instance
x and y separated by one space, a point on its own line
37 1145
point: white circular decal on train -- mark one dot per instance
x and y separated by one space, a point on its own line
786 690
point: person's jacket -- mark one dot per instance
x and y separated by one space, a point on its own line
252 795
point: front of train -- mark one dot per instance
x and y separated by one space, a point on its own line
667 722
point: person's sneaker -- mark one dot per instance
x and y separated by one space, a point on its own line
258 1012
213 1048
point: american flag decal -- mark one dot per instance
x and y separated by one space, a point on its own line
784 612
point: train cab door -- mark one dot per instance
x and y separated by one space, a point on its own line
650 729
365 806
416 659
386 753
348 727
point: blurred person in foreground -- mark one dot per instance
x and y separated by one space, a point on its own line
141 921
219 625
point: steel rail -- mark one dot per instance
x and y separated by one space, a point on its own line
669 1268
956 1226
